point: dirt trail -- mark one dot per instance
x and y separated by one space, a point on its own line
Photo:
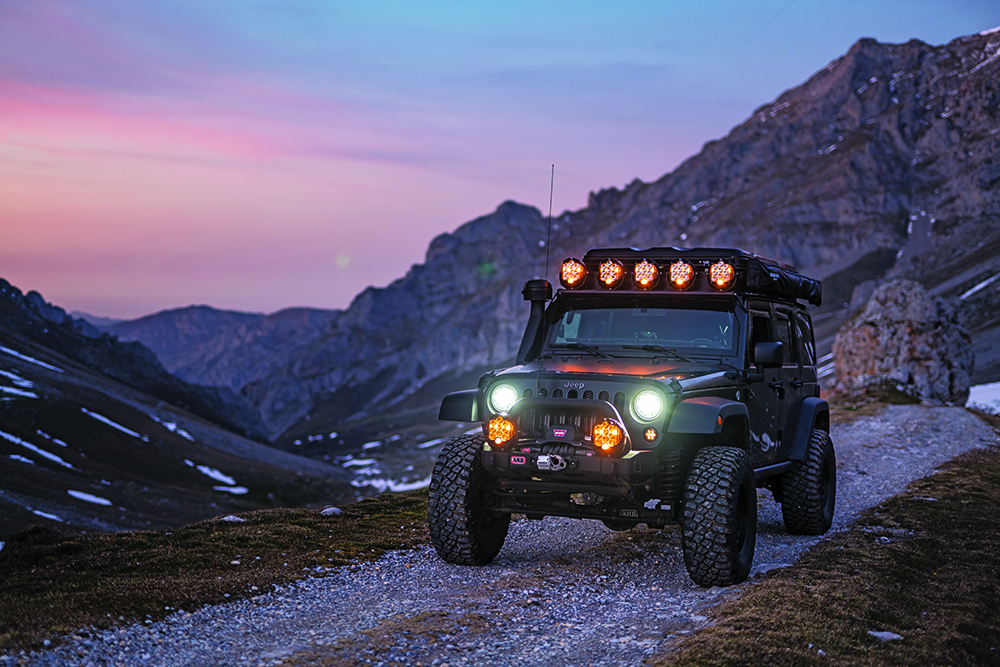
561 592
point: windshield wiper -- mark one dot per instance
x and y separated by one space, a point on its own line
656 348
593 349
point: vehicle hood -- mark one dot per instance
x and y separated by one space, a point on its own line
645 367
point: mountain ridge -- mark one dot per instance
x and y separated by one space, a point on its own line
882 164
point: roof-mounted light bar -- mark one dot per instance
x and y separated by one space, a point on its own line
680 274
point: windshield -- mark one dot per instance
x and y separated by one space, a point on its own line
710 331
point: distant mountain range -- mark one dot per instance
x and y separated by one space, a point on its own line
883 164
96 435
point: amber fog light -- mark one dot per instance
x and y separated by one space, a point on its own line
645 275
608 435
572 273
500 430
681 275
722 275
649 434
611 274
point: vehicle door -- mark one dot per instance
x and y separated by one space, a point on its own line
791 386
762 400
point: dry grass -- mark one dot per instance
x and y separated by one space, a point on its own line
922 565
53 584
845 409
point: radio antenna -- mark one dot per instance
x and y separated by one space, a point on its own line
548 238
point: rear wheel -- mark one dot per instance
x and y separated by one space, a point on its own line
464 527
809 489
719 521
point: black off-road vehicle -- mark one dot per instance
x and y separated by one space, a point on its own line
658 386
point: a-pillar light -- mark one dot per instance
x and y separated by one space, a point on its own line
572 273
645 275
721 275
611 274
681 275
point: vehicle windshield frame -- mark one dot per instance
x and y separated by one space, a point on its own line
569 301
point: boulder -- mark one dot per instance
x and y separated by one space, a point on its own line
908 340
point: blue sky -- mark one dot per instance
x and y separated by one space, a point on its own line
258 155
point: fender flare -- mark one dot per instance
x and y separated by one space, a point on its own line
701 415
460 406
803 417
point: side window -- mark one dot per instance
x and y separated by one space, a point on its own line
783 326
807 348
760 330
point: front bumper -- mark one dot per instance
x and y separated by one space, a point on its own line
549 467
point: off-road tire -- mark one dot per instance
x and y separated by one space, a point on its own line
809 489
463 530
719 520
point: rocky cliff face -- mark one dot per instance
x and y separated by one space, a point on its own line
908 340
883 164
30 317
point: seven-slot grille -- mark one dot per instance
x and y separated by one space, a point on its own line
535 423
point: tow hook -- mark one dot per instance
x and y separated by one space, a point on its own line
551 462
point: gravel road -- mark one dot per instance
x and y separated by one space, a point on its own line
562 592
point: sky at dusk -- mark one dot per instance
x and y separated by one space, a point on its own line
261 155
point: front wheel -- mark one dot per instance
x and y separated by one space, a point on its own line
464 530
719 522
809 489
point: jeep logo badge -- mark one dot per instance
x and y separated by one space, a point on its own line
573 385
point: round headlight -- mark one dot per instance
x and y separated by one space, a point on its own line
502 398
648 405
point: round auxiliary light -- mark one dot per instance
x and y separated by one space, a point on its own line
647 406
681 275
722 275
572 273
645 275
649 434
502 398
612 273
500 430
608 435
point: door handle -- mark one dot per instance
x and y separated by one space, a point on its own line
797 383
778 388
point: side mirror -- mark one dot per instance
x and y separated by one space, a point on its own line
768 355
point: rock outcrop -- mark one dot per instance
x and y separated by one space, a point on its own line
908 340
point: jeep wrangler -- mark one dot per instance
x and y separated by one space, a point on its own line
658 386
